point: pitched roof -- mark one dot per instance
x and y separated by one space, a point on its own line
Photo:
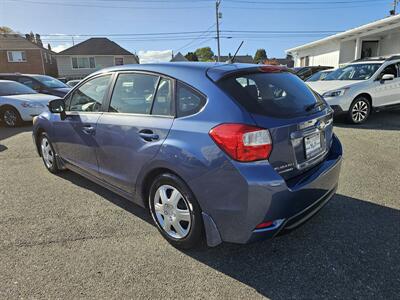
96 46
14 41
178 57
244 59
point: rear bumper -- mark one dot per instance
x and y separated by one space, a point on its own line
288 203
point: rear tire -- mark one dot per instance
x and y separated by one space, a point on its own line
48 154
175 211
11 117
359 111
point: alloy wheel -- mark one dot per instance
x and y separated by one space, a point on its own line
10 118
172 211
47 152
359 111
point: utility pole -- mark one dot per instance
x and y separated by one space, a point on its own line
218 16
73 41
393 11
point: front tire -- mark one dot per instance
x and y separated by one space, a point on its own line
175 211
360 110
48 154
11 117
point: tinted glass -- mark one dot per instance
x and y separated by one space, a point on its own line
163 100
14 88
133 93
334 75
390 69
28 82
271 94
321 75
90 95
358 72
189 101
50 82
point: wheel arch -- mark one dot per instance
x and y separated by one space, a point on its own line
143 186
38 133
366 95
5 106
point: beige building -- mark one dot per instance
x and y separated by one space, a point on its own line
92 55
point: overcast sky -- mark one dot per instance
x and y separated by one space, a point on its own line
185 25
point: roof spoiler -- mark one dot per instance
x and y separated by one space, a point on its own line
224 71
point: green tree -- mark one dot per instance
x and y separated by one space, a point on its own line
260 55
5 29
204 54
190 56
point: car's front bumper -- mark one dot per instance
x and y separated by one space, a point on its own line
287 203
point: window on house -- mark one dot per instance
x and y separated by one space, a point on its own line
119 61
45 57
83 63
16 56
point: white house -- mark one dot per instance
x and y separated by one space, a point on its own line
379 38
91 55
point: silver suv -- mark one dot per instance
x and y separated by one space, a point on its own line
361 87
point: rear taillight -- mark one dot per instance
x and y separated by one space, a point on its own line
243 142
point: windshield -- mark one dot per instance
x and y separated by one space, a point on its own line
333 75
271 94
8 88
50 82
321 75
354 72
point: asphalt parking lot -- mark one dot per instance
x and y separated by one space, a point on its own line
65 237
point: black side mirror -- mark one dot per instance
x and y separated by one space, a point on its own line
57 106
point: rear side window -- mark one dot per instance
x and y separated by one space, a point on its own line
271 94
163 104
133 93
188 100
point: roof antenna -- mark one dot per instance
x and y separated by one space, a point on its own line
232 60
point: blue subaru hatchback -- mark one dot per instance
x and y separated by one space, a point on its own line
225 152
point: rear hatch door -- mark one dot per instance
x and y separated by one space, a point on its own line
299 121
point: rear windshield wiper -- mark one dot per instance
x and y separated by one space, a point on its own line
314 105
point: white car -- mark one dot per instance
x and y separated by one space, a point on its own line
361 87
20 103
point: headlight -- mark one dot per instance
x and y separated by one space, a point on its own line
31 105
335 93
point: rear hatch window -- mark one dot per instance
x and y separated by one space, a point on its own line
281 95
299 121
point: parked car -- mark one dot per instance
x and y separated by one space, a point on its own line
305 72
236 151
72 83
20 103
321 75
361 87
40 83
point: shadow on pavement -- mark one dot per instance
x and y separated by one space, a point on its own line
105 193
385 120
6 132
351 249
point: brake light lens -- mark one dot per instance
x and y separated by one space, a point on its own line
242 142
265 225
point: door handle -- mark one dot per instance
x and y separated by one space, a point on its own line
88 129
148 135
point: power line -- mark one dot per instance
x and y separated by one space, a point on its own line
208 30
